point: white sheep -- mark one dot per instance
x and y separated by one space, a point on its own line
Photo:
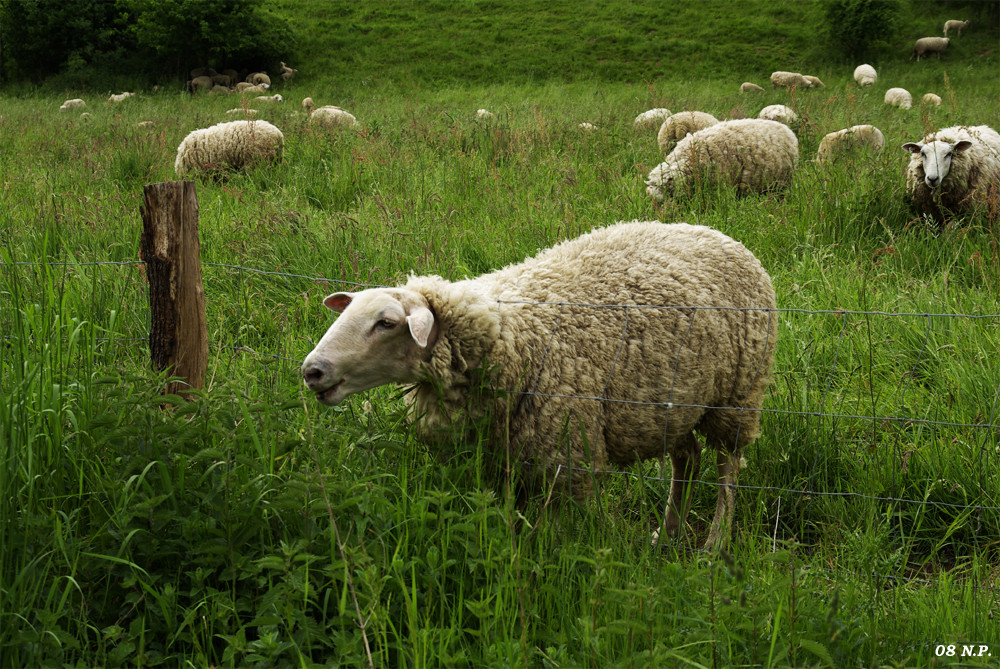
484 114
241 111
651 118
750 87
680 125
751 154
330 116
270 98
587 127
952 168
956 25
850 140
865 75
308 105
814 82
926 45
287 73
899 97
120 97
236 144
779 113
558 377
931 99
75 103
789 80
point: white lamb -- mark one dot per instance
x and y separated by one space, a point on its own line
75 103
680 125
752 154
308 105
330 116
651 118
849 141
955 25
779 113
750 87
926 45
236 145
953 168
120 97
899 97
560 379
789 80
931 99
270 98
865 75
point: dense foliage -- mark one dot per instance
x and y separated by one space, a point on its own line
860 29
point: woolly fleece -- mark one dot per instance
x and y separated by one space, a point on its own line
751 154
568 366
681 125
899 97
849 140
236 144
865 75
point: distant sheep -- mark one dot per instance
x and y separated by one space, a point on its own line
308 105
258 78
236 144
927 45
75 103
287 73
952 168
681 125
932 99
333 117
899 97
752 154
202 83
789 80
237 111
749 87
814 82
956 25
587 127
250 89
865 75
270 98
484 114
559 385
848 141
651 118
779 113
120 97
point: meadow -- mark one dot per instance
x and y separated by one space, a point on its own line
253 527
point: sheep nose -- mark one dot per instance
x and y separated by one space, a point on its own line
932 181
313 373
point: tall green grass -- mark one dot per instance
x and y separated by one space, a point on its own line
252 527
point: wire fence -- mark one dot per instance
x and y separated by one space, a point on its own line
827 362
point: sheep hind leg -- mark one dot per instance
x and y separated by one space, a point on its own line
729 466
685 463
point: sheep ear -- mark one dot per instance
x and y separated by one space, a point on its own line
338 301
421 321
963 145
912 147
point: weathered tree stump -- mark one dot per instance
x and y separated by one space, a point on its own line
178 332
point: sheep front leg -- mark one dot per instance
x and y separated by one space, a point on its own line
685 463
729 467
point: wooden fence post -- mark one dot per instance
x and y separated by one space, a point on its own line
178 332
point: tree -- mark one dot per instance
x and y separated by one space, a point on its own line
860 28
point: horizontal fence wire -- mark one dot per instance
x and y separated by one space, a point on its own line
989 424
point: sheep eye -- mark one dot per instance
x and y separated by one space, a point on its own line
385 324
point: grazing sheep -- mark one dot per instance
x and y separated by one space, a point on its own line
558 377
926 45
899 97
250 89
120 97
748 87
779 113
287 72
751 154
270 98
651 118
308 105
848 141
789 80
681 125
587 127
484 114
952 168
814 82
333 117
222 80
865 75
75 103
955 25
240 110
258 78
236 144
203 83
931 99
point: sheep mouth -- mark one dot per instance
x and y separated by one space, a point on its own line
332 395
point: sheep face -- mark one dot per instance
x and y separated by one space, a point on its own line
935 158
381 336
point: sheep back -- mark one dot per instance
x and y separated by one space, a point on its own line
333 117
789 80
236 144
585 373
899 97
751 154
865 75
680 125
849 140
926 45
651 118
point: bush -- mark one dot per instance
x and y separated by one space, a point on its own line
859 29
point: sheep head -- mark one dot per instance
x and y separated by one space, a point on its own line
381 336
936 157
